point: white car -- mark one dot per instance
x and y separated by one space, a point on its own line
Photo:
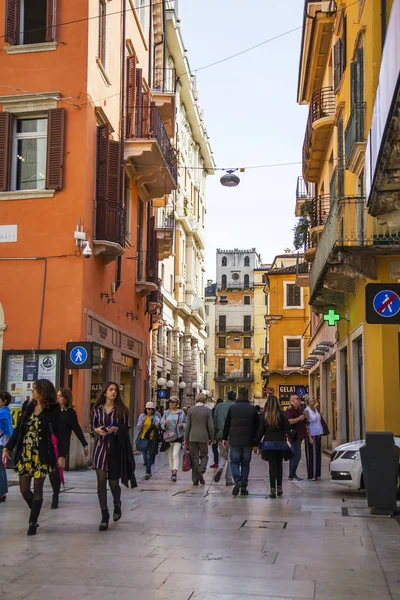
346 467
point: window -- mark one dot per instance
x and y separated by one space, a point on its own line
221 342
222 323
247 367
127 207
30 22
246 281
102 49
159 340
221 366
171 283
169 343
224 261
247 342
247 323
266 299
207 328
223 281
235 276
293 352
36 148
246 299
339 57
207 309
293 296
246 261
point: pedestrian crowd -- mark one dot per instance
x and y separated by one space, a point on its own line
234 428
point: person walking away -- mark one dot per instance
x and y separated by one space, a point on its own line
296 419
214 445
110 426
274 448
147 439
199 431
240 430
70 424
313 440
173 420
6 430
35 455
219 422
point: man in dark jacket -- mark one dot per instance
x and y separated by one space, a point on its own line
296 419
240 430
199 431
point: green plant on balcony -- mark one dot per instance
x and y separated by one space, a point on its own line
300 230
186 207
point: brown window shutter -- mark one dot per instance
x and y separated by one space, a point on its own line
114 172
55 149
50 20
130 94
103 133
12 22
146 114
5 150
138 104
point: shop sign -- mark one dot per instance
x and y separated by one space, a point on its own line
382 303
285 391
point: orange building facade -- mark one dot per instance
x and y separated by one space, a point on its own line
86 145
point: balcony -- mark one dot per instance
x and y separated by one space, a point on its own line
234 376
310 248
321 118
150 153
233 329
147 275
110 231
155 305
165 238
347 249
237 285
198 232
354 138
302 194
163 91
320 211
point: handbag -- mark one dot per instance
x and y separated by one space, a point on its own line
292 434
171 435
186 461
325 428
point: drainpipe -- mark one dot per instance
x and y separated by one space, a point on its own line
122 131
150 77
383 21
164 16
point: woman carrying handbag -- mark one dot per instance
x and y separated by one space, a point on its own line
316 428
173 423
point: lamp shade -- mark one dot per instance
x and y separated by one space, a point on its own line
161 381
182 385
229 180
195 385
170 383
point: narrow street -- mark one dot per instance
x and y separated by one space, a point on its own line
178 542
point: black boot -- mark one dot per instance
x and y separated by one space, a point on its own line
28 499
105 517
34 516
117 514
54 503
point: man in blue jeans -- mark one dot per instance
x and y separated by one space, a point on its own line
240 431
296 419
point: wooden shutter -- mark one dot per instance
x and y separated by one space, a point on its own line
337 64
360 74
138 104
146 114
353 83
222 323
221 366
12 21
103 133
247 322
5 150
130 94
55 149
114 218
50 20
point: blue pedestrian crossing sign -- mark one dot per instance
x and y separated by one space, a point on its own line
79 355
382 303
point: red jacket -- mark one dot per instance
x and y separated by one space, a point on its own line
300 427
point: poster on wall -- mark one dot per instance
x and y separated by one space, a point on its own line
22 368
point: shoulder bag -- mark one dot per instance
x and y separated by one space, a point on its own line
171 435
186 460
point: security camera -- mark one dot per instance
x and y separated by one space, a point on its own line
87 251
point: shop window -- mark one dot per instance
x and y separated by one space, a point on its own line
247 342
293 352
293 296
30 22
222 342
31 151
99 373
246 299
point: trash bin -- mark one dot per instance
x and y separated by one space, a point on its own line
380 463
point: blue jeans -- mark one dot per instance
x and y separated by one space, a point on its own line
240 463
294 462
144 447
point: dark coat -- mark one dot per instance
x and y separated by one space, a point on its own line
70 424
274 433
241 424
49 422
127 460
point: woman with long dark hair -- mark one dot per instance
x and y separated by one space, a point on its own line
70 424
274 449
6 430
35 455
112 453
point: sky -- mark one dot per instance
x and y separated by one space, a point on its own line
252 118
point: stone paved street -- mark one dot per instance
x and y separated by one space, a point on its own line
178 542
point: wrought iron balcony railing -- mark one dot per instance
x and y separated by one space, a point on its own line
355 130
234 329
164 80
236 285
302 192
323 104
320 210
235 376
111 223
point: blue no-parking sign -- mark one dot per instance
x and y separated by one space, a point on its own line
382 303
79 355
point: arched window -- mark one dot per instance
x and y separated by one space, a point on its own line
223 281
246 261
246 281
224 261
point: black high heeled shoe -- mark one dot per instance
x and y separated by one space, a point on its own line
105 517
32 529
117 514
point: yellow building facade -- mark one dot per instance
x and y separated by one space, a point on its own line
286 321
260 338
354 368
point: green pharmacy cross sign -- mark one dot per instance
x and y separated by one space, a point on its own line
332 317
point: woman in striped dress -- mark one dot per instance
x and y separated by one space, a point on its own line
109 416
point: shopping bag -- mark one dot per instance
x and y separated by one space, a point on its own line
186 461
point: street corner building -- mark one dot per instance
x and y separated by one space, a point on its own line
97 245
347 202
